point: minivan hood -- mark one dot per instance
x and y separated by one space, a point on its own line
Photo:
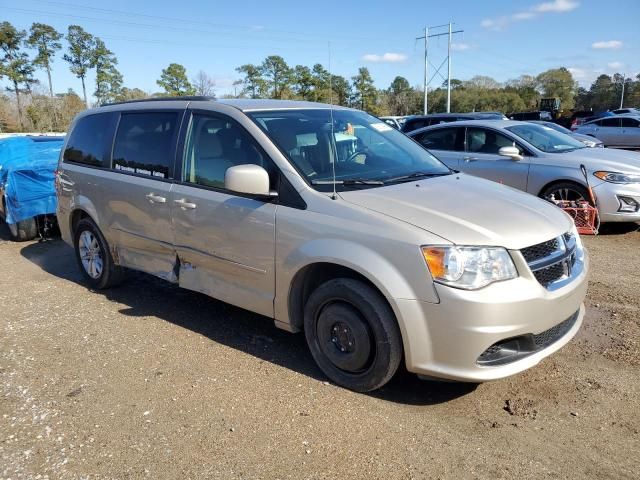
467 211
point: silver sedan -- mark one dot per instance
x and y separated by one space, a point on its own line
541 161
615 131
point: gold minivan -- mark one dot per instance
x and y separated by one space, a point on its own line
331 222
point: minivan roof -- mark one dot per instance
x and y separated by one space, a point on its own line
243 104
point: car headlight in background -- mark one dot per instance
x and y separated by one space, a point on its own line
617 177
469 268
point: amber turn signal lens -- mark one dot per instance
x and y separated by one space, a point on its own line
435 261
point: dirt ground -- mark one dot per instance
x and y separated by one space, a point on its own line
150 381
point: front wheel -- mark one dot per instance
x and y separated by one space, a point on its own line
94 258
352 334
566 191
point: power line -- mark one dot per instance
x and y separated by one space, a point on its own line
245 28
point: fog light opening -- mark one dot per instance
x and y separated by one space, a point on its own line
627 204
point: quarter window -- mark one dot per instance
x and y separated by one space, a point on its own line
144 143
215 144
90 140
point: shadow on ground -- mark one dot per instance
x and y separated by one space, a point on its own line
144 295
618 228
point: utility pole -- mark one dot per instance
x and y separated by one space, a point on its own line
622 95
449 71
427 80
426 69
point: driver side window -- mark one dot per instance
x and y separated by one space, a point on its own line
481 140
215 144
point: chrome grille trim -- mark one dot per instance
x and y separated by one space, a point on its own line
558 263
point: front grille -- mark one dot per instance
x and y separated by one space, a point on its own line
552 260
512 349
550 274
539 251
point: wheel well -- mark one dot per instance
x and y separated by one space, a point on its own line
76 216
557 182
311 277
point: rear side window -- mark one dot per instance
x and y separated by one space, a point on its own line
610 122
90 140
450 139
145 143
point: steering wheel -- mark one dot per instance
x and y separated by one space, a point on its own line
355 154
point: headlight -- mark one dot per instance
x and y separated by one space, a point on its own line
469 268
616 177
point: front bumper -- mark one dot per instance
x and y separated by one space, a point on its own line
446 340
608 194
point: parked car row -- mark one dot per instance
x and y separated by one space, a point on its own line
539 160
330 221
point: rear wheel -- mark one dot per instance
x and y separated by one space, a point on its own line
94 258
352 334
24 230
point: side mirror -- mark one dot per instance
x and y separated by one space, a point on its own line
249 179
512 152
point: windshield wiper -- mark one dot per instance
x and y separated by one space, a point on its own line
350 181
415 175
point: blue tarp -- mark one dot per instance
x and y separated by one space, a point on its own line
27 175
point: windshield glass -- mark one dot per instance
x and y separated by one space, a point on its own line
545 138
557 128
364 150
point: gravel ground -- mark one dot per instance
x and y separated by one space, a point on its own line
150 381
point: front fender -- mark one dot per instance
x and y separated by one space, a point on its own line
406 279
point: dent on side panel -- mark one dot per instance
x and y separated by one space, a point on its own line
212 283
163 266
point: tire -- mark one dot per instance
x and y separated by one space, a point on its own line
352 334
574 191
94 257
24 230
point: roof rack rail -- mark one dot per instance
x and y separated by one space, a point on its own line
189 98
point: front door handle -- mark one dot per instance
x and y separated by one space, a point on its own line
183 204
153 198
470 159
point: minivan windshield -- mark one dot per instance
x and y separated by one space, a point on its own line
545 138
361 149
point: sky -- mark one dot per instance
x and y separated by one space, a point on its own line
501 39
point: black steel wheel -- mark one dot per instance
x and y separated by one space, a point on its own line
352 334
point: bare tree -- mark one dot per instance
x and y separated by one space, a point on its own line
204 84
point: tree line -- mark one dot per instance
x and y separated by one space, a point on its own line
22 52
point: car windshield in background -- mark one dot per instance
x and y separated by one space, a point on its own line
556 127
367 151
546 139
